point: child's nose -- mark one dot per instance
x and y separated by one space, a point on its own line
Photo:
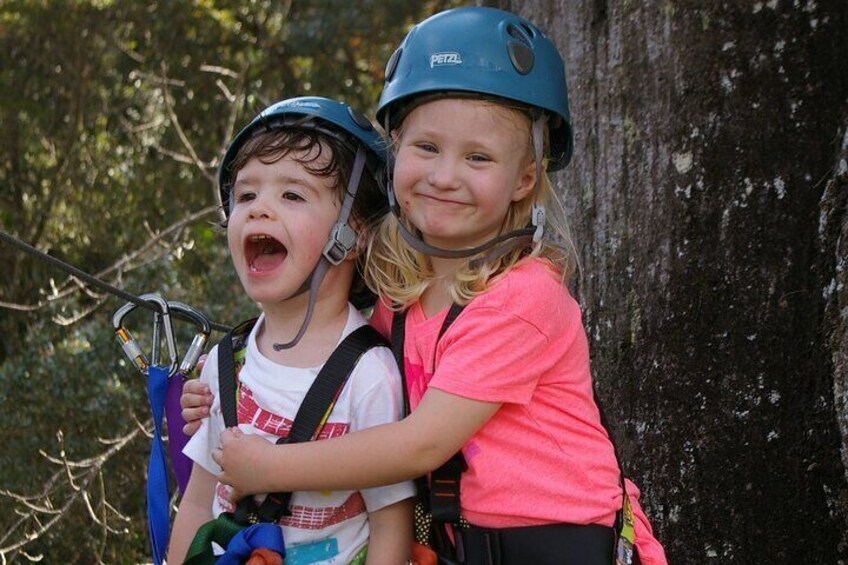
260 208
444 174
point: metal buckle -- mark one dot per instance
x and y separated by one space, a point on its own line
538 220
342 240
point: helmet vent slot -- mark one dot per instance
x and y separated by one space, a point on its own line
521 56
360 119
519 32
392 64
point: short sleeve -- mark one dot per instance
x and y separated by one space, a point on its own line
507 339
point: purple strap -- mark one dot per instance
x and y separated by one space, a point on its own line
176 438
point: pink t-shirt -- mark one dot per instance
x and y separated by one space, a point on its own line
544 457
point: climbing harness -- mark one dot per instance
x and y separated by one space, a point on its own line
314 411
162 382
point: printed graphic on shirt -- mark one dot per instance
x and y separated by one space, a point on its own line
305 517
306 553
249 412
309 518
302 517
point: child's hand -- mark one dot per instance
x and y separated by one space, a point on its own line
240 457
195 402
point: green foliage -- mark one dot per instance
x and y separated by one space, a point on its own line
113 115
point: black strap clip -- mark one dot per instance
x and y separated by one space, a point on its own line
444 489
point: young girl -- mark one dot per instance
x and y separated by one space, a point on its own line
476 104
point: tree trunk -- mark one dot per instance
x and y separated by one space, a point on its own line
708 200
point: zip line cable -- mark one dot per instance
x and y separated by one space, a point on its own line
94 281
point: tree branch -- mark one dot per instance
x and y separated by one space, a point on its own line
78 476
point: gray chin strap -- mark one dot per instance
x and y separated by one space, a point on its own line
341 241
497 246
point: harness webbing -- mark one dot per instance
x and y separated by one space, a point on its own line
313 412
227 381
439 499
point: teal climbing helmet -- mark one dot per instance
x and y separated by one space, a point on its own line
326 116
482 51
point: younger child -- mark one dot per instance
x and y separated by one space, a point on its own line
299 186
476 102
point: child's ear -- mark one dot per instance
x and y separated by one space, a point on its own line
526 182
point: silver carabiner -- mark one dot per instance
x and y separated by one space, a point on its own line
162 320
126 340
198 344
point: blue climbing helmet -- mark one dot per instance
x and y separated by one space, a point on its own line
326 116
482 51
354 131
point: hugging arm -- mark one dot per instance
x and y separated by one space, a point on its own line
382 455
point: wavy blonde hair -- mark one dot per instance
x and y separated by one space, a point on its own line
400 274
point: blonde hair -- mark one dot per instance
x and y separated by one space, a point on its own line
400 274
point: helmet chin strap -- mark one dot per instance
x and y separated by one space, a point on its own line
497 246
341 241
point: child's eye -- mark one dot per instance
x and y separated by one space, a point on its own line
244 196
428 147
478 158
292 196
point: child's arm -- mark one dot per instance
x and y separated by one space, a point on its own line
381 455
195 510
390 538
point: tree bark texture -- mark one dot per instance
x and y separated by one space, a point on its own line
707 197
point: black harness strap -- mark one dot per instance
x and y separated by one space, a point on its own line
310 417
327 386
439 498
227 382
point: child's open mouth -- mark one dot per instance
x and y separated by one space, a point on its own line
264 253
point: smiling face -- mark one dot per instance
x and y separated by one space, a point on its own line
280 218
460 165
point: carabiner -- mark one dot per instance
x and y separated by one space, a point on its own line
198 344
162 319
126 340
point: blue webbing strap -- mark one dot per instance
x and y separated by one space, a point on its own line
267 536
158 496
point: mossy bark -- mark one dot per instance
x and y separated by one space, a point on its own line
708 200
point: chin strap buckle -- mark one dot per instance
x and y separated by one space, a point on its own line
537 217
342 240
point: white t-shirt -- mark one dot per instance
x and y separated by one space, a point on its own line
325 527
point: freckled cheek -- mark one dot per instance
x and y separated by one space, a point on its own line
403 180
402 190
406 174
